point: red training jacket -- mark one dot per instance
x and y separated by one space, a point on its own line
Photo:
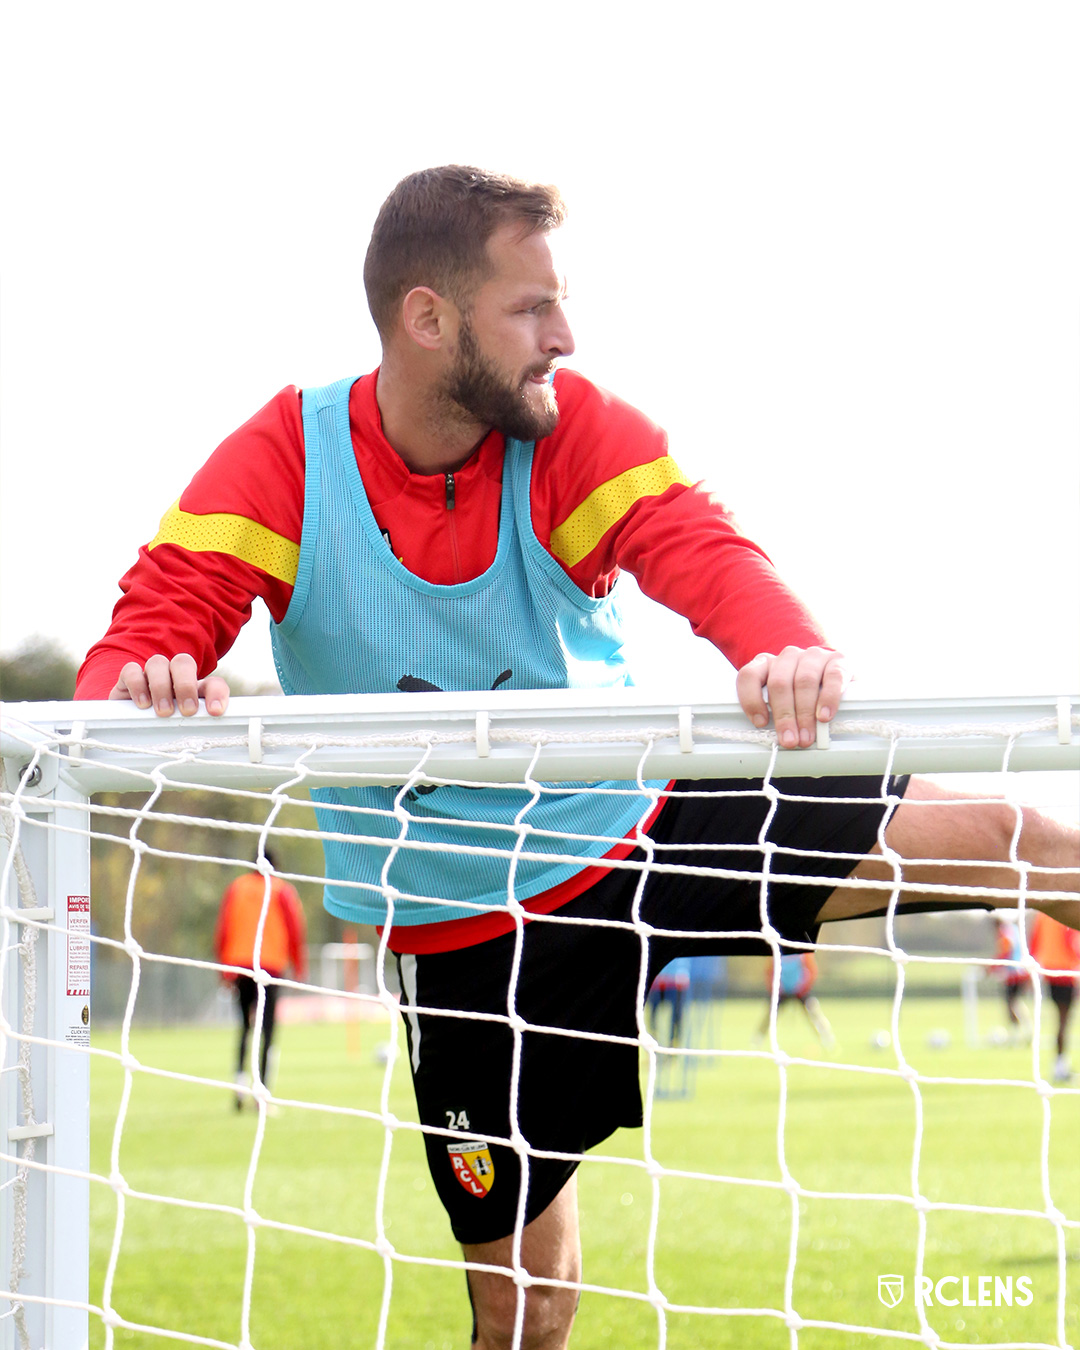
605 496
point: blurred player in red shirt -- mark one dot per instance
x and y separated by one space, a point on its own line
282 946
798 971
1014 979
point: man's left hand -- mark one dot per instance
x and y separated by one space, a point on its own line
805 686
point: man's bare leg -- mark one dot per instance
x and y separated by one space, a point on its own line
976 835
550 1248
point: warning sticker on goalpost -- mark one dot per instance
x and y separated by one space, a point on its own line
472 1166
78 946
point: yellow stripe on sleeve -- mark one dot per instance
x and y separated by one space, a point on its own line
235 535
587 524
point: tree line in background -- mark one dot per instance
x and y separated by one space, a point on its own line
37 672
199 842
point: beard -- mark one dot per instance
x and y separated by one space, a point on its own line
477 387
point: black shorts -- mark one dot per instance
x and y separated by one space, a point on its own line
1062 993
247 994
571 1091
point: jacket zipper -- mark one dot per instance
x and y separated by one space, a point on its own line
452 523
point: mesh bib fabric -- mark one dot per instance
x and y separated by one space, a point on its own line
359 622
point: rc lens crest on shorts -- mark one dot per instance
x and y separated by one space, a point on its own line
472 1166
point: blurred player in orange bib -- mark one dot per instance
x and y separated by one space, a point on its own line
282 946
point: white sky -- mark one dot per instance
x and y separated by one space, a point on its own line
831 247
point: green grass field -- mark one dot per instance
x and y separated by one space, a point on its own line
720 1244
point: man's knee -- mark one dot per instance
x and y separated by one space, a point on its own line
537 1317
545 1320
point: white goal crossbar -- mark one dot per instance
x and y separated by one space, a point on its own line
497 736
58 755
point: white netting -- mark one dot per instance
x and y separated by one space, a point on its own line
240 819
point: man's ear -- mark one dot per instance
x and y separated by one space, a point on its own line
427 318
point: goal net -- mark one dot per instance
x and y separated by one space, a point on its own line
906 1182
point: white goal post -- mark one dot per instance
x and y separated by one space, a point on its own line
58 756
44 1069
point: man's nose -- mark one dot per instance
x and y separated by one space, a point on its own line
558 340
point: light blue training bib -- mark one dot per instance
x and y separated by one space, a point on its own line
359 622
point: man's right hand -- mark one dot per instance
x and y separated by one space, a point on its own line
166 685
